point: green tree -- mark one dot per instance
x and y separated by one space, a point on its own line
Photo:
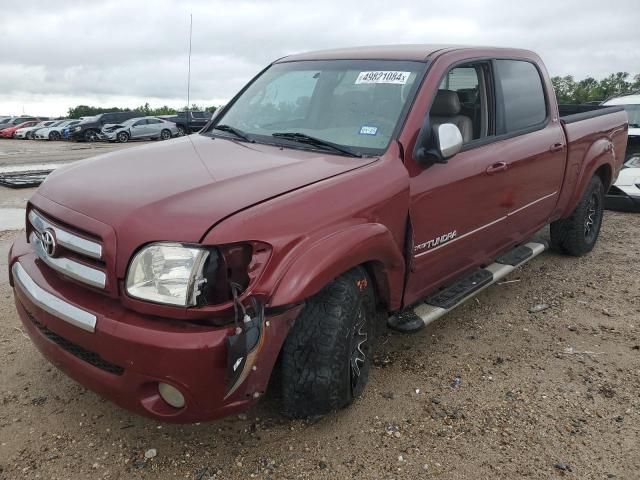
568 91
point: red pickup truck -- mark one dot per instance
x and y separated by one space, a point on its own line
338 189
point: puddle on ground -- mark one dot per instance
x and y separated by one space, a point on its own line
12 219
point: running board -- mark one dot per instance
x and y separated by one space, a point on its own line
436 305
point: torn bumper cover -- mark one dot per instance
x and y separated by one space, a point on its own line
128 355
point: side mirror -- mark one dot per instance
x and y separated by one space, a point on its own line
443 142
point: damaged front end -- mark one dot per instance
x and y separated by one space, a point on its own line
244 346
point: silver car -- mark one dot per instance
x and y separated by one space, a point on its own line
138 129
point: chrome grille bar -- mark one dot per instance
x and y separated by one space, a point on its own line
65 238
68 267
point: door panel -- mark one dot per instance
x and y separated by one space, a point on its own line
536 151
458 213
139 129
534 176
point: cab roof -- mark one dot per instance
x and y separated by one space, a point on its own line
411 52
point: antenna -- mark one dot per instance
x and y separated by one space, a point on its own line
189 77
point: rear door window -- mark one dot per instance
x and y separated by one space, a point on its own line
523 102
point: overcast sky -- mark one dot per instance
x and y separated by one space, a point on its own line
123 53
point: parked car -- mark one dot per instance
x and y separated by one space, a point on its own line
189 121
9 132
13 121
631 104
337 189
27 132
624 195
54 132
139 128
89 129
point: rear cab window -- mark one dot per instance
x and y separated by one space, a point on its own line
523 104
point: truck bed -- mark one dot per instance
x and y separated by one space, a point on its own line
589 135
577 113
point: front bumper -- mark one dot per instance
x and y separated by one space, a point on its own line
108 137
122 355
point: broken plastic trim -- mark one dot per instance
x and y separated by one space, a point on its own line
244 346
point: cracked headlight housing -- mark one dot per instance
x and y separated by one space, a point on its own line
170 273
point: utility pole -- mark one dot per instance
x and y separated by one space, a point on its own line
189 78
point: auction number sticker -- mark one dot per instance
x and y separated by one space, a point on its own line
388 76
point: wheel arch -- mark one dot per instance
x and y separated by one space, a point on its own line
370 246
598 161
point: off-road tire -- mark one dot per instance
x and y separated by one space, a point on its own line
317 369
569 235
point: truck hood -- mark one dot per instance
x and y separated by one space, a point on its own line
177 190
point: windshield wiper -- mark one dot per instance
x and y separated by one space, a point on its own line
317 142
235 131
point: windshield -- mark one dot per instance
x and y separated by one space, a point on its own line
633 111
355 104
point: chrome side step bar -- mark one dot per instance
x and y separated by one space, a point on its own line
435 306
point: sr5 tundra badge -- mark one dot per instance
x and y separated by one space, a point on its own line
435 242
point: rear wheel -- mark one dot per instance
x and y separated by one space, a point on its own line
327 354
165 135
122 137
577 234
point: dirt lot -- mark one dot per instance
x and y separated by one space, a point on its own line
541 395
17 152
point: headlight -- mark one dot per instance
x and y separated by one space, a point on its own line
168 273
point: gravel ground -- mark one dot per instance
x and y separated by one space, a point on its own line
18 152
540 395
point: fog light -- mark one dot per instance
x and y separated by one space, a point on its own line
171 395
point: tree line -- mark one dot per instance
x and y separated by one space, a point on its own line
145 110
570 91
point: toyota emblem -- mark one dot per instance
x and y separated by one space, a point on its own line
49 242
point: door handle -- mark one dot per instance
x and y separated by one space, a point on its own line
556 147
497 167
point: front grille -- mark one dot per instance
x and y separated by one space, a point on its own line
69 253
77 351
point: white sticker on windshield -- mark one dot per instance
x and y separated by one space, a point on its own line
399 78
366 130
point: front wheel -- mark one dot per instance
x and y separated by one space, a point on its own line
54 136
90 136
327 354
123 137
181 130
577 234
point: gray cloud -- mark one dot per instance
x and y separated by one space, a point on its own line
130 52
